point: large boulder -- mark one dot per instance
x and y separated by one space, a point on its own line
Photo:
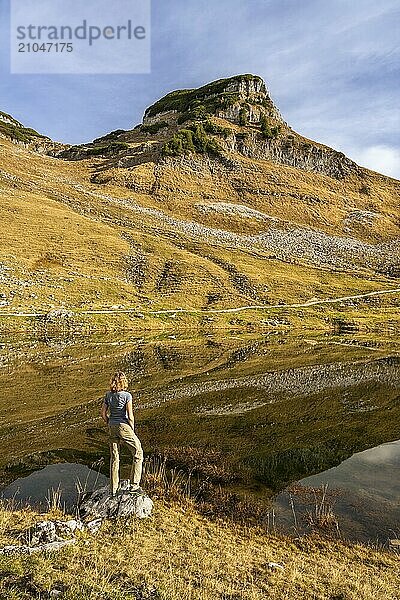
100 504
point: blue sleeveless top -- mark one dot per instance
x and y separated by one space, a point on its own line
116 403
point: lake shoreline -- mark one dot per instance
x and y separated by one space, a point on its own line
317 316
235 409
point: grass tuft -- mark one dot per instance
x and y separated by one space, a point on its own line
179 553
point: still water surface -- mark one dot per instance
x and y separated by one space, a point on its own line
60 485
363 492
252 413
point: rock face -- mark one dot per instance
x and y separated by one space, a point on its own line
244 101
102 505
225 98
294 151
252 95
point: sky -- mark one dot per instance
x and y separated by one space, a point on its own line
332 67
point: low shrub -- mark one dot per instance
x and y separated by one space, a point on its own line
214 129
243 117
110 136
190 140
267 132
229 100
112 148
154 127
19 133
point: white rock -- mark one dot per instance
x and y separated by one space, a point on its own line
101 505
94 526
276 566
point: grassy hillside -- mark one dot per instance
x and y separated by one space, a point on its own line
260 221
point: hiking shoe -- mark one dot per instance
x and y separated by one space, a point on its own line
135 489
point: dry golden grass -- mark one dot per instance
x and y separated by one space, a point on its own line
178 554
64 245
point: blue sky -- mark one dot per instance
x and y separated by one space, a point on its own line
332 67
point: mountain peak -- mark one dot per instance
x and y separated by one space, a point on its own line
226 120
238 98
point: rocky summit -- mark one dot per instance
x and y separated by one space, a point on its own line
251 126
211 204
225 98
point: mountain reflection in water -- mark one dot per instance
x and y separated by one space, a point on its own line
251 413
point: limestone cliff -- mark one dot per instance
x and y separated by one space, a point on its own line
234 115
224 98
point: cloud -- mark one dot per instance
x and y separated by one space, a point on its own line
332 69
384 159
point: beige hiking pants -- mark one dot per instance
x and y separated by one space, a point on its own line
124 434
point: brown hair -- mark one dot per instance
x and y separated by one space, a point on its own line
118 382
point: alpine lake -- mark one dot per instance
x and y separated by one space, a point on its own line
306 426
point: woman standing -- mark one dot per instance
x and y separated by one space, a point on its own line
117 413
